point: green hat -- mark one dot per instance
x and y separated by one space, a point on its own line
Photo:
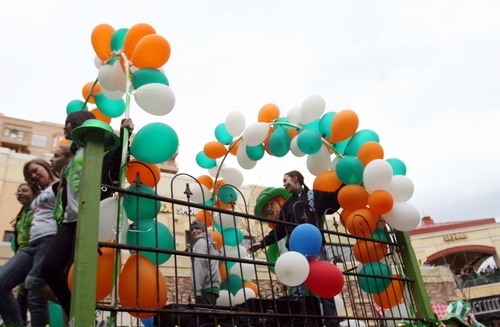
266 195
458 312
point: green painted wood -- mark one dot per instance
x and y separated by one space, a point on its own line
84 279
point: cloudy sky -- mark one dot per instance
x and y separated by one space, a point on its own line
424 75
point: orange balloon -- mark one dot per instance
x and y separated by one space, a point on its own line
221 205
223 271
344 214
266 140
152 51
391 296
64 142
344 125
101 40
206 180
327 181
149 174
99 115
368 251
205 217
268 113
105 267
87 88
214 150
370 151
380 202
141 285
361 222
252 286
217 185
217 237
292 132
134 34
352 197
234 147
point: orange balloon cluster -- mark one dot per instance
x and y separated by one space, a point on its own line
361 222
268 113
205 217
148 174
367 251
353 197
141 286
344 125
392 295
327 181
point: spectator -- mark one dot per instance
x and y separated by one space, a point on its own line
458 314
205 272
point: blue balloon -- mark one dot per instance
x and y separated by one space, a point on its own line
148 322
306 239
222 135
155 143
350 170
205 162
325 124
358 139
398 166
279 142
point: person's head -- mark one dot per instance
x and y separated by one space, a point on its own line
456 314
26 192
38 172
293 181
60 158
197 227
75 119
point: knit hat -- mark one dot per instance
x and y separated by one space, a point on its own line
198 224
458 312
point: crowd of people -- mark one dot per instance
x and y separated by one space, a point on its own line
45 230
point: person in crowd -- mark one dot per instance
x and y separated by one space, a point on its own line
458 314
60 158
205 272
42 229
304 206
55 266
25 194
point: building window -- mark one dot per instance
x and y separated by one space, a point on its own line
13 134
338 253
7 236
39 140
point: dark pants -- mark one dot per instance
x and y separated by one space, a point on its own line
207 298
56 265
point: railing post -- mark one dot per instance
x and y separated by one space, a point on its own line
418 289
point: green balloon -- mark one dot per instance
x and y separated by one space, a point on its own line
138 207
325 124
232 236
205 162
234 283
314 125
76 105
374 285
350 170
118 38
149 233
340 146
148 75
225 193
222 135
309 141
379 234
255 152
358 139
272 255
109 107
398 166
155 143
279 142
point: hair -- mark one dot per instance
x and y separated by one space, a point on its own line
296 173
38 161
66 152
76 118
34 189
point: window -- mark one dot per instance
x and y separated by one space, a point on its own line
39 140
338 253
7 236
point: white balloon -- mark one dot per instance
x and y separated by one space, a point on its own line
401 188
293 115
235 123
339 305
377 175
105 77
108 213
400 311
244 270
225 298
352 323
98 62
226 220
243 160
119 77
333 164
311 109
403 217
155 98
219 165
318 162
291 268
235 251
243 294
294 148
200 192
113 95
232 176
255 134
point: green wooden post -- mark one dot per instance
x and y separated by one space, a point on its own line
418 289
84 281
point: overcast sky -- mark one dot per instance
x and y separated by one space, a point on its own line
424 75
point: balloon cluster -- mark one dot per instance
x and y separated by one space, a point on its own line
301 265
129 62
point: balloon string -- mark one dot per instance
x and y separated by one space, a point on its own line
90 93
